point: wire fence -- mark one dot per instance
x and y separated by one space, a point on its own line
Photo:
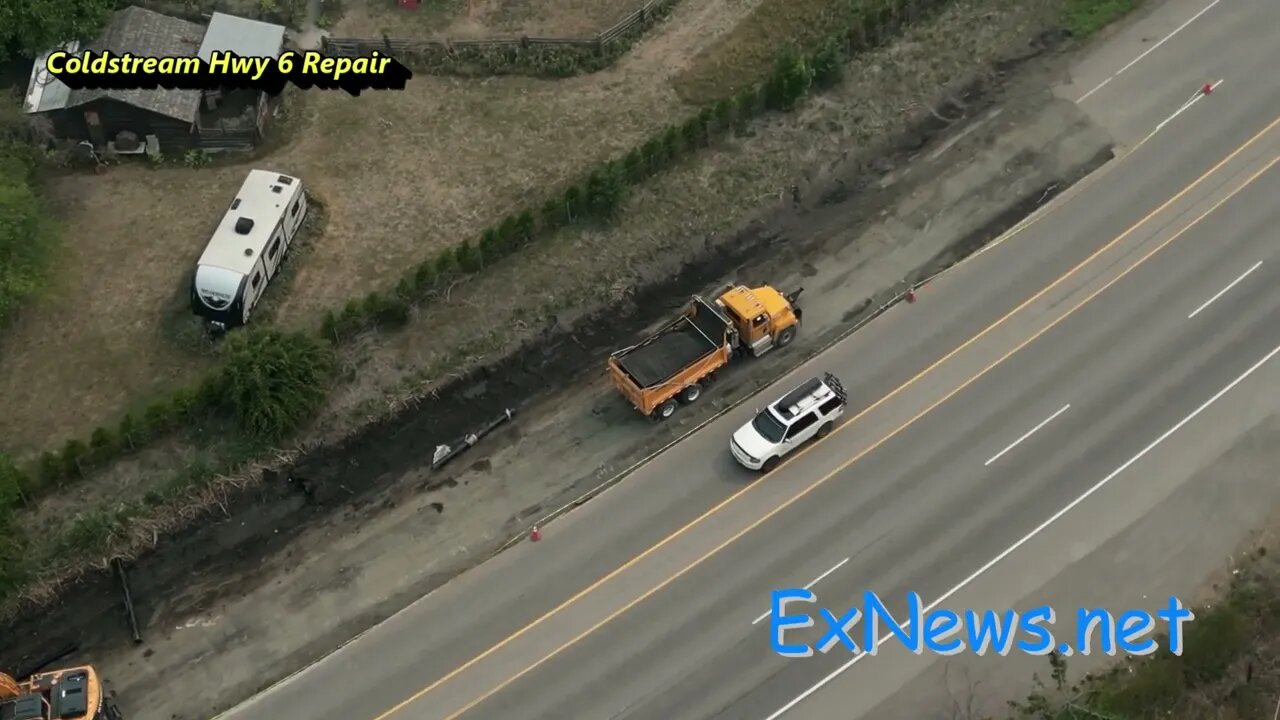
601 44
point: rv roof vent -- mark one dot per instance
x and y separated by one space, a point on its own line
248 252
235 203
276 188
285 180
244 225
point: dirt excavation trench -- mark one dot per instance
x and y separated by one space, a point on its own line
1005 131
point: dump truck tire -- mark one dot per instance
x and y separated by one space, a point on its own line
665 410
786 336
690 394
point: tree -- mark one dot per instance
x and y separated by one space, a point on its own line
24 235
32 26
273 381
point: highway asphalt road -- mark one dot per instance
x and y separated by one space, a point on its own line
640 604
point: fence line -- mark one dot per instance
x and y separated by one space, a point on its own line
356 47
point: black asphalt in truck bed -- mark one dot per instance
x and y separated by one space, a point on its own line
666 355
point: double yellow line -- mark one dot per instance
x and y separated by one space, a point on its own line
817 483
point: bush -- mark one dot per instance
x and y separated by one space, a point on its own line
634 166
652 152
129 434
671 143
446 264
50 468
552 214
469 258
722 115
157 419
572 202
525 228
26 237
492 243
605 192
828 63
425 275
12 484
746 105
73 456
691 133
101 445
272 381
791 79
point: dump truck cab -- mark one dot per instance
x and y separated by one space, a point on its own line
764 317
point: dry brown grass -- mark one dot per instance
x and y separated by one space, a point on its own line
469 19
402 174
490 314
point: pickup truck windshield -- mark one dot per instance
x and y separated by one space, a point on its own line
769 427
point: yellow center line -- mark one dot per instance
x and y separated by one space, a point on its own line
817 483
724 503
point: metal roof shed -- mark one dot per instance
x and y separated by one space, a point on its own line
242 36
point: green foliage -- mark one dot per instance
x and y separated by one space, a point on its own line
634 165
1083 18
102 445
31 26
525 227
446 264
791 79
493 244
470 260
26 237
722 115
605 192
691 133
12 487
828 63
196 158
572 202
381 310
74 454
128 432
425 275
552 214
671 143
273 382
747 104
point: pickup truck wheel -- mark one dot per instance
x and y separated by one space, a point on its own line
825 430
691 394
665 410
785 337
771 464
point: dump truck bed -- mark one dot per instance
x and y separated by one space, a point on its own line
675 347
666 355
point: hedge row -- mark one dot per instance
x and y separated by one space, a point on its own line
266 372
268 383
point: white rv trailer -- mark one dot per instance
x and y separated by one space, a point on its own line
248 247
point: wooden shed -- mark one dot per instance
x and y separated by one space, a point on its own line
100 115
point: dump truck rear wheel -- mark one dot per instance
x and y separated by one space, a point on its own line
691 394
665 410
786 336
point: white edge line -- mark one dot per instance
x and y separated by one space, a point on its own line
1009 550
813 582
1028 434
1185 107
1149 50
1224 290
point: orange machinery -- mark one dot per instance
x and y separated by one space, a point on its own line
69 694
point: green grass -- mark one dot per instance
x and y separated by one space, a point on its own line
1086 17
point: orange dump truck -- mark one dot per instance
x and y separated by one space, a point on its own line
674 364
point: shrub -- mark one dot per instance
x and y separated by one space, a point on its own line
525 228
634 166
392 312
446 264
26 238
12 484
746 105
791 79
73 457
469 258
406 289
605 192
828 63
101 444
691 133
671 143
493 244
272 381
509 239
50 468
722 115
572 202
128 433
552 214
652 152
157 419
425 276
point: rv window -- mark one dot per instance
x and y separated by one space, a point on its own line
296 206
275 248
257 280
